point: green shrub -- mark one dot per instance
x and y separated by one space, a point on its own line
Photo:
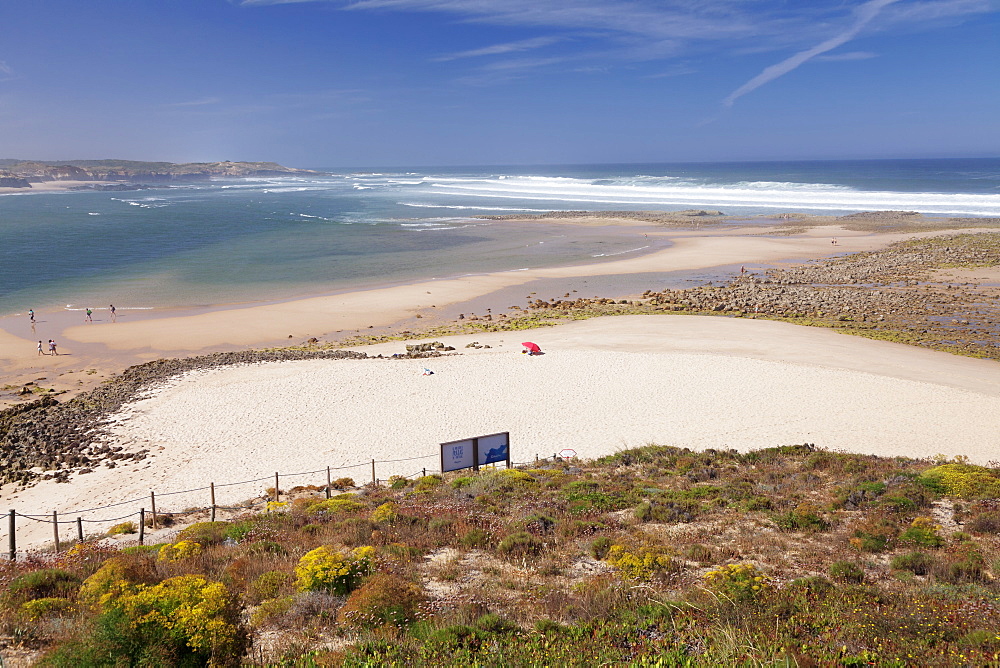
847 571
44 583
922 531
738 582
269 584
398 482
475 538
464 481
142 549
325 569
204 533
270 609
804 517
918 563
383 599
237 531
875 534
520 544
600 546
698 552
427 483
965 563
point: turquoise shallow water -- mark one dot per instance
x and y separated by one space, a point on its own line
246 240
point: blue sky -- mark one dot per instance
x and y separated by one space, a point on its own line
328 83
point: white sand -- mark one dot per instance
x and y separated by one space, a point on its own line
603 385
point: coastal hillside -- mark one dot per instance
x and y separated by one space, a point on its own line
656 556
22 173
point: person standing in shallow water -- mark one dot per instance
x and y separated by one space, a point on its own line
31 315
90 316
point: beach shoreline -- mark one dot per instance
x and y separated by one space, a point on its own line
90 353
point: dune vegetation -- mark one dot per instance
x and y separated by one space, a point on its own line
655 556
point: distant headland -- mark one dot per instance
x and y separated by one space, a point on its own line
24 173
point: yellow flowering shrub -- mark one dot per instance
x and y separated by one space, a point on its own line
327 569
274 506
188 608
965 481
387 512
115 577
738 581
642 563
184 549
46 607
123 528
335 505
923 531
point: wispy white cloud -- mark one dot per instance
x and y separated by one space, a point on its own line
846 56
865 14
197 103
500 49
609 31
5 68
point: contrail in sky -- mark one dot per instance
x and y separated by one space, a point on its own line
866 13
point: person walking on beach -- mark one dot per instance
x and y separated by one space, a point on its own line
89 317
40 348
111 308
52 348
31 315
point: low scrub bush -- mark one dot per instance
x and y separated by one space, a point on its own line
924 532
384 599
270 584
847 571
738 582
521 543
44 583
333 571
988 522
876 534
918 563
805 517
204 533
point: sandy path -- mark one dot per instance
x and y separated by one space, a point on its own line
603 385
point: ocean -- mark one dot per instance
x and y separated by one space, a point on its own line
233 241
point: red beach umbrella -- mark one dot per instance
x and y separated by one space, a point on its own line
532 347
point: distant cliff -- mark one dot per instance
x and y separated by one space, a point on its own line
22 173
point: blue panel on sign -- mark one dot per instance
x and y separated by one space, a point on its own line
493 448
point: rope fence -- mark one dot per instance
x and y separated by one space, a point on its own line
272 495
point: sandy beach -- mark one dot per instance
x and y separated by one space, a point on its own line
91 352
602 385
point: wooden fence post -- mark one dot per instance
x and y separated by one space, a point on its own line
142 525
374 481
55 529
277 493
79 529
328 482
13 539
152 501
425 472
211 486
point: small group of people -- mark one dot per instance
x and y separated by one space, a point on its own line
52 348
90 314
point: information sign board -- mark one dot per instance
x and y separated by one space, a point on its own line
475 452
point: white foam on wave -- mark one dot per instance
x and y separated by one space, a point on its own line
421 205
630 250
686 193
